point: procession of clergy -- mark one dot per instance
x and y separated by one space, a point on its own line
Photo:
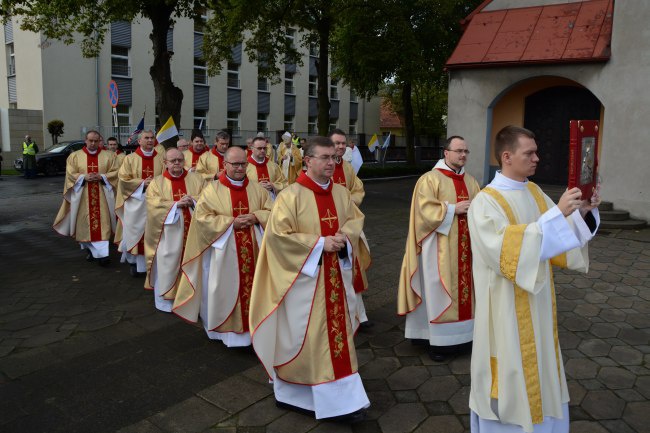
267 248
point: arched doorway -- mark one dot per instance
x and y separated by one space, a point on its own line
547 113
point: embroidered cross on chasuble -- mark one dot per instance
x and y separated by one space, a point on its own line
196 155
179 190
339 174
261 168
334 288
94 197
244 244
464 250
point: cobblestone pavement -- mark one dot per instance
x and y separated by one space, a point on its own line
82 348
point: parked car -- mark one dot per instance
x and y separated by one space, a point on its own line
51 161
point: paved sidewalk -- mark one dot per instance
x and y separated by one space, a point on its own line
82 348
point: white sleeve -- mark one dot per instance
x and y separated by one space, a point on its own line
445 226
557 235
173 215
310 268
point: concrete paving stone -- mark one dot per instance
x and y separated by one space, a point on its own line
407 361
595 297
261 413
402 418
576 323
610 277
257 374
642 306
587 310
20 364
407 348
568 340
576 392
460 401
629 395
76 345
564 305
460 364
577 413
406 396
582 283
635 336
155 321
465 421
408 378
464 379
625 290
438 369
375 384
612 315
384 353
367 426
587 427
332 427
617 426
292 422
604 361
638 370
603 405
387 340
235 393
380 402
626 355
435 408
6 349
441 424
562 278
581 368
592 384
636 415
604 330
573 293
594 347
191 415
144 426
438 388
364 356
616 377
379 368
23 323
615 342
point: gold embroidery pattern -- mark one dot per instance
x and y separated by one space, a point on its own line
336 314
494 392
512 240
246 267
527 343
464 274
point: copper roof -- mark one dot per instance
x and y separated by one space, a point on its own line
568 32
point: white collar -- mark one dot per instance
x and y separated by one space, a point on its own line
236 182
441 164
145 153
172 174
506 184
323 185
92 152
258 160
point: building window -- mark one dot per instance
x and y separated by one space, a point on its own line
11 67
353 96
120 61
288 122
263 84
201 119
333 124
313 49
200 71
311 125
124 123
288 83
291 37
334 89
313 85
262 122
200 19
232 122
353 127
233 75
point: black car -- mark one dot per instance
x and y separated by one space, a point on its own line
52 160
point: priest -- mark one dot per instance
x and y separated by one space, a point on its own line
303 305
211 164
221 253
435 287
196 149
264 171
289 158
517 232
171 198
136 173
88 209
345 175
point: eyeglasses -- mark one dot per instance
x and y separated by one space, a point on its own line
459 151
176 161
237 164
325 158
259 148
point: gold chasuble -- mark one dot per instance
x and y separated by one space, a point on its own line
292 166
119 157
130 203
210 164
517 366
222 297
192 157
87 212
449 288
267 170
167 228
344 175
303 314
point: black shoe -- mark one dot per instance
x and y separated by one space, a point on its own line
366 325
89 257
437 356
133 271
104 261
350 418
291 407
419 342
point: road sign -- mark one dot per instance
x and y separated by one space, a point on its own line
113 94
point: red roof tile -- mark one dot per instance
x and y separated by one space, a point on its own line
388 118
569 32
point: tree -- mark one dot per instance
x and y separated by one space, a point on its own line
55 128
89 20
266 24
404 42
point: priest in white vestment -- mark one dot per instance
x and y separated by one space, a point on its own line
517 374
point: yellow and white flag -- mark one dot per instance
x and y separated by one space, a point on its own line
167 131
373 143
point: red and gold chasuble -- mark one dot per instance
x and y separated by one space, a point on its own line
220 158
261 168
464 250
94 197
196 155
179 190
244 243
147 171
339 174
334 288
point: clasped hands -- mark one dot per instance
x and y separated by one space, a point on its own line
335 243
185 201
244 221
571 201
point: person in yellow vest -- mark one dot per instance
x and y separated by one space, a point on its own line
30 149
289 158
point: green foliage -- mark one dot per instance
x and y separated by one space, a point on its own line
55 128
